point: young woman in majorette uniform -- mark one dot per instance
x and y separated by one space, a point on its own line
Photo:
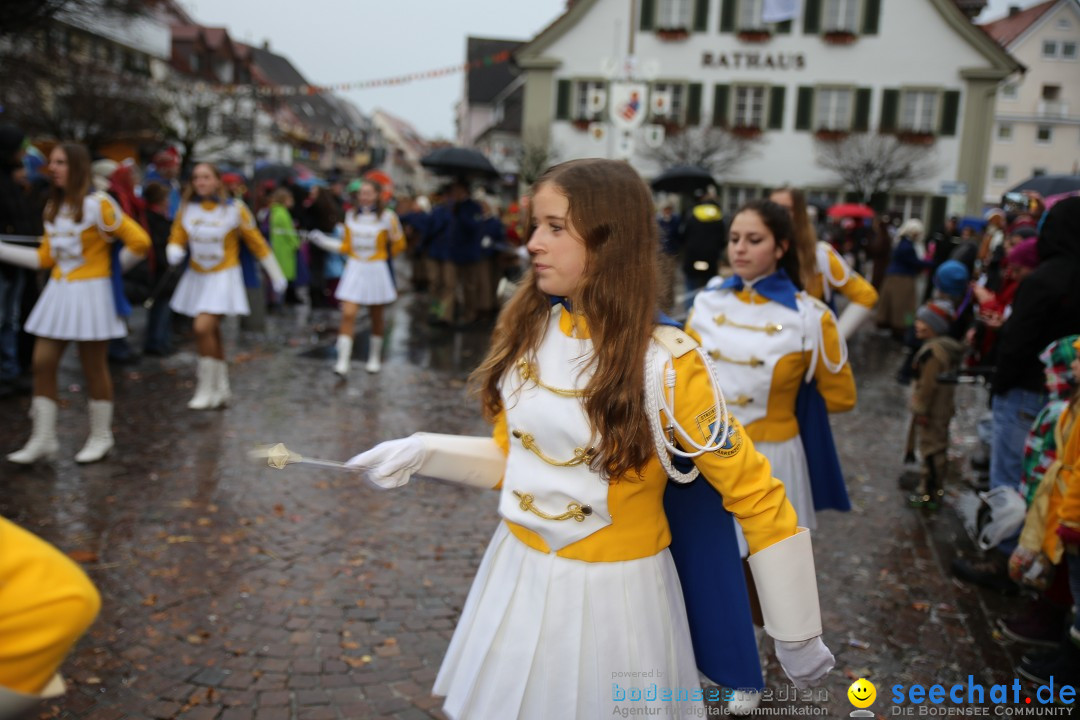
83 301
822 272
590 399
372 236
210 225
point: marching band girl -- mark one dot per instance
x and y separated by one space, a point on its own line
372 236
821 269
83 301
211 225
590 398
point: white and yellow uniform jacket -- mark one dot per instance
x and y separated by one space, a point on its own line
213 232
369 237
79 250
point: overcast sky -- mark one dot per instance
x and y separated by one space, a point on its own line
333 41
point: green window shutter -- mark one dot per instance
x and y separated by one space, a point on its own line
693 104
562 102
890 109
776 107
721 96
727 16
939 205
648 14
701 15
804 108
861 121
811 22
871 17
783 28
950 111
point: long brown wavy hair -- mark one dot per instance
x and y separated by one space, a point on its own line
77 186
805 237
611 211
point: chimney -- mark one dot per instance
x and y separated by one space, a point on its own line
1014 10
266 45
971 8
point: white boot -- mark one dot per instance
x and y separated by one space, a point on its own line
374 363
344 355
224 392
205 385
743 702
100 441
42 442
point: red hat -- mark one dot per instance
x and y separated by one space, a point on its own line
167 157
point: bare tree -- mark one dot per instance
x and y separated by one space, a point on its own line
19 16
533 159
209 124
871 164
714 149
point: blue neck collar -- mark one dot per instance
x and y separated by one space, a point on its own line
777 287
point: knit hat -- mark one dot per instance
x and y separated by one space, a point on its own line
938 315
951 278
1024 254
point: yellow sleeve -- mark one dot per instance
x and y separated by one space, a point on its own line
127 230
838 389
739 473
346 241
46 603
45 253
855 288
396 238
250 233
178 235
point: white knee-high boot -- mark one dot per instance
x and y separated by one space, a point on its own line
205 384
100 440
223 391
344 354
374 361
42 443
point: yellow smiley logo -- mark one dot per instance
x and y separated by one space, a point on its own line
862 693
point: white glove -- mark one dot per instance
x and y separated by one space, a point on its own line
806 661
390 464
129 259
273 270
26 257
175 254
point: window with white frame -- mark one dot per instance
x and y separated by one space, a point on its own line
749 106
1044 134
586 99
673 95
735 196
1068 51
918 110
840 15
1000 173
909 206
1049 48
750 14
1009 91
674 14
1005 132
832 109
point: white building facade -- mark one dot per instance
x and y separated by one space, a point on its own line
916 69
1037 124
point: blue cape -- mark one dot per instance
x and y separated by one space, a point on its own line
826 479
116 277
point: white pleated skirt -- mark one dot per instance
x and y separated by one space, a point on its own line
788 460
544 637
215 293
366 283
80 310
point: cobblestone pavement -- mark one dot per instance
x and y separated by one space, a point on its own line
234 592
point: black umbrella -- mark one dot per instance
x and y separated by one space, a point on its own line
1047 185
459 162
683 179
275 172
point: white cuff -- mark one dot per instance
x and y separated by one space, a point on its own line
14 704
473 461
853 317
787 588
273 270
22 256
175 254
129 259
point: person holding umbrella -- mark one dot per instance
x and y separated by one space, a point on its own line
211 225
372 235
